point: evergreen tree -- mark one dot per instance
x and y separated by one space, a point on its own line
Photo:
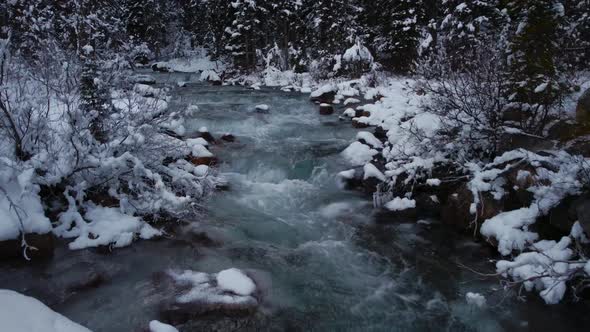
333 25
534 75
245 34
467 24
397 33
29 22
577 45
147 22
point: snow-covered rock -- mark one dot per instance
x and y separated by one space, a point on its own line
190 294
399 204
358 154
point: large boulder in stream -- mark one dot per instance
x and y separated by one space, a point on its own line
191 296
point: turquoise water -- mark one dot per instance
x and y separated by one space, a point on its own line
329 268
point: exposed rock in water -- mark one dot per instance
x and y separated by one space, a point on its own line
160 67
228 138
359 124
206 135
385 216
380 133
191 296
326 109
203 160
326 97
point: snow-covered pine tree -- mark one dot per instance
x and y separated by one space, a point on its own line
465 25
397 32
29 22
147 21
577 48
285 30
245 33
333 25
535 77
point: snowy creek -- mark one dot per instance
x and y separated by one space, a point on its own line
329 266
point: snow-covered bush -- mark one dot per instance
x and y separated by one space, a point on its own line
140 169
469 103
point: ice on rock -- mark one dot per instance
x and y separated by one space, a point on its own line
358 154
156 326
235 281
20 313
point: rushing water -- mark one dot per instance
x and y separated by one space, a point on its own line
329 267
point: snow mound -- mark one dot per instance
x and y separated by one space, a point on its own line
107 226
370 139
210 75
400 204
370 171
358 154
546 269
509 228
235 281
156 326
20 205
22 313
199 61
